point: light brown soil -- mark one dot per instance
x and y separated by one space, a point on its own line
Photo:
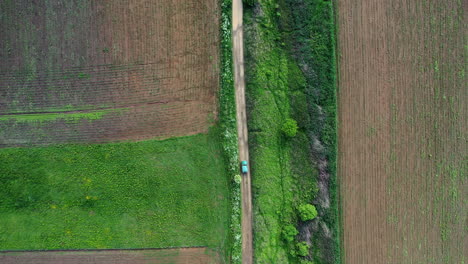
403 131
159 256
157 59
239 84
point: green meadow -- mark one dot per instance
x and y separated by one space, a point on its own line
146 194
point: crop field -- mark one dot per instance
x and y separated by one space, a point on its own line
147 256
100 71
140 76
403 150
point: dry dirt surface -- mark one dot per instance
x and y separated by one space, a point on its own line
241 115
403 131
158 256
97 71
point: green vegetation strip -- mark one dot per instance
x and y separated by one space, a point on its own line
228 126
150 194
71 117
291 76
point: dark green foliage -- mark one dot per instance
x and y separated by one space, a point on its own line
289 127
307 212
248 2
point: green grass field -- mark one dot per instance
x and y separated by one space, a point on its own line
121 195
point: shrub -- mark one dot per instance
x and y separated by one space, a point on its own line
237 179
302 249
307 212
289 127
248 2
289 233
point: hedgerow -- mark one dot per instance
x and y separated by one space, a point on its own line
227 117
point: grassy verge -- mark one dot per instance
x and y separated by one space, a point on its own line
227 116
291 74
123 195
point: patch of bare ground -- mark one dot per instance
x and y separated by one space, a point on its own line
157 59
153 256
403 131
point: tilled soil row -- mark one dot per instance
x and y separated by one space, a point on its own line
150 256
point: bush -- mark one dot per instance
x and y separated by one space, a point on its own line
289 233
307 212
302 249
248 2
289 127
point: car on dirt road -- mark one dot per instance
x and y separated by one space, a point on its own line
244 167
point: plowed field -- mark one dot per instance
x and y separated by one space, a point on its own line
98 71
157 256
403 131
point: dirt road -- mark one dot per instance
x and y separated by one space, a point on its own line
239 83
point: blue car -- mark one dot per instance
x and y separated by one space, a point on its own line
244 167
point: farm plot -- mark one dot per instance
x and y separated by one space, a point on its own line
99 71
150 256
403 131
148 194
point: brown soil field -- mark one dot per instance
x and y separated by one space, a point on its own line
156 62
157 256
403 150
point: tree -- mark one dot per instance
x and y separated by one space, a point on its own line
302 249
307 212
289 233
289 127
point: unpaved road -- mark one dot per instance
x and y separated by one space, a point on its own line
239 83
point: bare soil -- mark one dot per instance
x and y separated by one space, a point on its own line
157 256
403 131
156 59
241 116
